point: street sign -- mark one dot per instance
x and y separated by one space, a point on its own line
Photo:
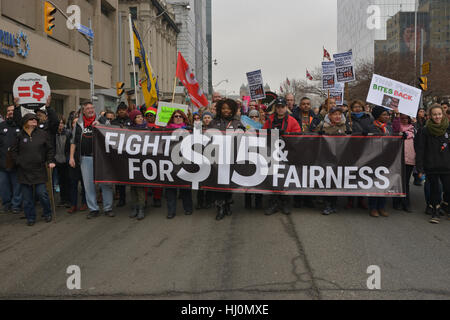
426 68
86 31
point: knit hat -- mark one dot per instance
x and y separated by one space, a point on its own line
207 113
335 109
377 111
133 114
151 111
253 113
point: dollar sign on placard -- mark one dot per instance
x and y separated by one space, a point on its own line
38 93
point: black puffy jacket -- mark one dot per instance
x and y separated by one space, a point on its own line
432 153
363 125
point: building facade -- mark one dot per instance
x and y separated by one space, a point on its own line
62 57
191 16
156 25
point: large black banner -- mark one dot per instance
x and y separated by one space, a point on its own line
253 162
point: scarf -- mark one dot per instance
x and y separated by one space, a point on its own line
358 115
380 125
88 121
438 130
176 126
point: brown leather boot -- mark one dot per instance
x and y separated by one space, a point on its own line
383 213
374 213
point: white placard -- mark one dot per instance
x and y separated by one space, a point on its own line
345 71
328 75
256 85
390 94
31 89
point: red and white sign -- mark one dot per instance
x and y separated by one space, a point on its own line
31 89
190 83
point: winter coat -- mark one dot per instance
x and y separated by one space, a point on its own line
222 124
63 137
410 133
122 122
329 129
31 155
51 125
8 135
374 130
290 124
432 155
314 120
361 126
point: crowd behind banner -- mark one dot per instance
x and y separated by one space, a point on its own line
30 145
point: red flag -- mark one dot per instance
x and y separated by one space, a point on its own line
308 75
326 54
190 83
288 82
281 88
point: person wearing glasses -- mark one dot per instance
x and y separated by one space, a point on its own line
179 120
280 119
150 118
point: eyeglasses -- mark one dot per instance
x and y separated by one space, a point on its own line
254 117
178 116
150 115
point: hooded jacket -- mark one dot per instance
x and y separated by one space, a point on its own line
31 155
361 125
8 135
290 124
223 124
339 129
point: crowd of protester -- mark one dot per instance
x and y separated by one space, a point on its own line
34 145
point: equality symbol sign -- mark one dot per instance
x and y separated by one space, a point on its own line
31 89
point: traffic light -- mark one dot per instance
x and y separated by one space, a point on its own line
120 89
423 83
49 12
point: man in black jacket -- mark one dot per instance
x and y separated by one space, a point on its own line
122 120
10 188
32 152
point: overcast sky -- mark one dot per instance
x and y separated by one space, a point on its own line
282 38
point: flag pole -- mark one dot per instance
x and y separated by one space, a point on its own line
174 88
133 59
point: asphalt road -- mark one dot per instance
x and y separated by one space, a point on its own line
246 256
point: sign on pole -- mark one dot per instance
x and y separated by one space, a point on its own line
393 94
256 85
328 75
337 93
345 71
165 111
32 90
86 31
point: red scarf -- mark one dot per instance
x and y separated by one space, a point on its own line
88 121
380 125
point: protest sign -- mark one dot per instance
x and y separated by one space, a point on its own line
165 111
243 162
256 85
337 93
345 71
328 75
393 94
32 90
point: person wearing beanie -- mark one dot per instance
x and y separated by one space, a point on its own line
32 153
381 127
150 117
122 120
137 193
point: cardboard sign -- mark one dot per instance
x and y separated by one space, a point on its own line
32 90
345 71
165 111
393 94
256 85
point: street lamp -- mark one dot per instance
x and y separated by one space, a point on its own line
226 80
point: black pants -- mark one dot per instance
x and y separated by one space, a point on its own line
434 186
122 193
331 201
204 197
280 201
64 181
406 182
186 197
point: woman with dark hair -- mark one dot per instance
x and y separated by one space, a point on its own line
421 119
226 119
179 120
433 157
403 125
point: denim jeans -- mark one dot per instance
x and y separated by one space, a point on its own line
10 190
29 200
377 203
87 170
